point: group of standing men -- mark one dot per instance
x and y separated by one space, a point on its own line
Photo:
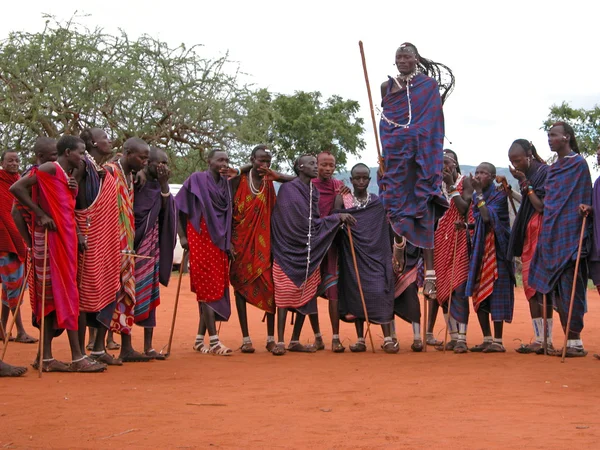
95 245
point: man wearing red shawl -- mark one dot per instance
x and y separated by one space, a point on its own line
452 271
97 215
251 271
204 203
412 137
13 252
491 278
135 158
328 188
49 193
155 238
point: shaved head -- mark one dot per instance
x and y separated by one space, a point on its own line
134 145
157 154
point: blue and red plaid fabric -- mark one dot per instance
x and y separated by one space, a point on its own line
568 184
413 159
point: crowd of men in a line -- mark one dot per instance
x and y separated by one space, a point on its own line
93 234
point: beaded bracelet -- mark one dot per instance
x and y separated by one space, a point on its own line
481 203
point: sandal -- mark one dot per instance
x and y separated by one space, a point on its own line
596 355
220 350
449 346
200 347
494 348
247 347
87 365
391 347
461 347
279 349
359 347
107 359
112 345
429 285
271 346
417 346
481 347
134 356
550 350
319 344
155 355
572 352
433 341
299 348
337 347
529 348
50 365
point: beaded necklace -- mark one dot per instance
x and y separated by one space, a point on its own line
360 203
91 158
310 204
407 79
253 189
128 179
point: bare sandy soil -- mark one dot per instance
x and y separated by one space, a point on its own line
323 400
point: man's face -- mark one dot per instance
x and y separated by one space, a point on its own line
360 179
449 164
159 160
518 158
10 163
557 138
406 61
261 159
48 154
137 158
485 177
326 165
308 166
102 141
74 155
219 161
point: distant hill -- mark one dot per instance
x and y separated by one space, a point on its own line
345 176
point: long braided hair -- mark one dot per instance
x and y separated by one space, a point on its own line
438 71
568 130
529 149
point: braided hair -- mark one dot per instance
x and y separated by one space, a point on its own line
438 71
529 149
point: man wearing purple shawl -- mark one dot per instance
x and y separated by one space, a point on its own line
204 204
412 137
568 185
300 238
155 237
594 259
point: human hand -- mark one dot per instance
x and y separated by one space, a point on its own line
72 183
268 174
164 173
520 176
347 219
46 221
460 225
140 178
477 186
82 243
585 210
448 177
229 172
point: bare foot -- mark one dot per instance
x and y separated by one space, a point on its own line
6 370
24 338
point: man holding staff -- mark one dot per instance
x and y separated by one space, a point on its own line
568 185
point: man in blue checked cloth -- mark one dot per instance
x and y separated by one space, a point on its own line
552 270
412 137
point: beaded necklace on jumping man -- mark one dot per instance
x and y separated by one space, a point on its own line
407 79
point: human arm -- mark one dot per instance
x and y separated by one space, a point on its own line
462 201
479 200
141 178
164 173
22 192
272 175
528 190
338 203
182 230
347 219
21 225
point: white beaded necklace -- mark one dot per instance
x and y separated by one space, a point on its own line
127 179
253 189
407 79
310 203
91 158
360 204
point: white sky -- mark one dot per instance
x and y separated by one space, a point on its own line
511 59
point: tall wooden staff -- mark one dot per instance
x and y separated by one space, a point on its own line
168 353
18 310
42 322
360 289
451 289
507 189
564 350
545 322
364 64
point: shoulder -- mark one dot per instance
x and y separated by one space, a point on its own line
48 167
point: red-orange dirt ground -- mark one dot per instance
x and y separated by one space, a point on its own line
323 400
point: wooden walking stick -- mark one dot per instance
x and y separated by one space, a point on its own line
364 64
425 319
564 350
185 252
451 288
507 189
360 290
545 323
17 310
42 322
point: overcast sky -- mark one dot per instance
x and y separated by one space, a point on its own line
512 59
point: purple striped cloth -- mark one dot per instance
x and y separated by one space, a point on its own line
568 184
411 185
502 299
289 231
373 251
594 260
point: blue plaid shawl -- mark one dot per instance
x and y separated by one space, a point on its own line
502 298
374 259
526 211
568 184
411 185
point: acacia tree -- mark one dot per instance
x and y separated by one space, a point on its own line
585 123
69 77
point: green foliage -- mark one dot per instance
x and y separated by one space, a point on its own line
69 77
585 123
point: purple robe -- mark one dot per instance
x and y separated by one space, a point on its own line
147 208
289 231
411 185
594 259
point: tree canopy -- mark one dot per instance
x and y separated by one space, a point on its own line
69 77
585 123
